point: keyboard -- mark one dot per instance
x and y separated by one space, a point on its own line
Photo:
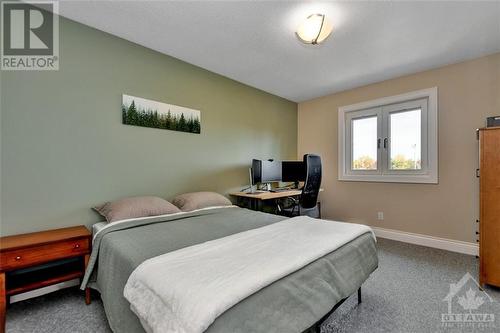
275 190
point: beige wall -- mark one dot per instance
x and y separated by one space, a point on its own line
467 93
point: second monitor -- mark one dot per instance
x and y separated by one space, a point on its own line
293 171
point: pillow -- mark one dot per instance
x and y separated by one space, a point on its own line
132 207
196 200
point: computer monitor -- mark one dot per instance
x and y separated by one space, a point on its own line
293 171
266 171
256 171
271 171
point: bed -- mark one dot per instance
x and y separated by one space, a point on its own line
293 303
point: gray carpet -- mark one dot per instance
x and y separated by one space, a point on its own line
405 294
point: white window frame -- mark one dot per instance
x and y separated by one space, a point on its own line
427 100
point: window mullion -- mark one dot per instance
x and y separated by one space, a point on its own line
384 116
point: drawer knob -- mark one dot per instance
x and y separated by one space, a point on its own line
77 246
18 258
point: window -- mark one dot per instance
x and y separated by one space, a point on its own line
393 139
364 143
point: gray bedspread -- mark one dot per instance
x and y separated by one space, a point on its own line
291 304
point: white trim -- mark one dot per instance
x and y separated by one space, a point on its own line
431 176
429 241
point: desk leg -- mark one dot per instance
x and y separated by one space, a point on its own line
87 290
255 204
3 302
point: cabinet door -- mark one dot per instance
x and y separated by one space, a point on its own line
490 206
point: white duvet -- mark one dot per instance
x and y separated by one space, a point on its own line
184 291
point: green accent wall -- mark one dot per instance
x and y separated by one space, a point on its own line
64 148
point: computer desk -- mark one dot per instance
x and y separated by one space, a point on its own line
267 195
254 200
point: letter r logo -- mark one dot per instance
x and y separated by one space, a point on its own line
18 26
27 29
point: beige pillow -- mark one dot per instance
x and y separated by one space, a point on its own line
133 207
197 200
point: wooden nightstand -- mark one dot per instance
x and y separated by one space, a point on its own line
40 259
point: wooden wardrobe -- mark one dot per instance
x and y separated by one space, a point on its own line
489 220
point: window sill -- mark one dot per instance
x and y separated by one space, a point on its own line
410 179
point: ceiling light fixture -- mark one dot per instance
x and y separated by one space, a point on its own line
314 30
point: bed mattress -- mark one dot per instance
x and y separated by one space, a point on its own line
291 304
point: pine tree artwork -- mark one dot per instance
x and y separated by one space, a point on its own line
143 112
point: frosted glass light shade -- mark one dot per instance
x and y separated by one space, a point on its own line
314 30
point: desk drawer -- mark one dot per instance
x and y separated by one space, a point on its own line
43 253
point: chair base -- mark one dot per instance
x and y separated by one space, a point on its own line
297 210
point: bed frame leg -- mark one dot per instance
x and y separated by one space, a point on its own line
359 295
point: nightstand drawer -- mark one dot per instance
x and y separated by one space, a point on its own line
43 253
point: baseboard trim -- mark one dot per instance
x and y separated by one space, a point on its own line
429 241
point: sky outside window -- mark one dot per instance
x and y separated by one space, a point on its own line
364 143
406 140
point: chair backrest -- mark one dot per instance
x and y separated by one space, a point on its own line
310 191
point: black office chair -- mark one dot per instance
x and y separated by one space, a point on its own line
307 204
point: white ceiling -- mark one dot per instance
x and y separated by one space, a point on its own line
253 41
